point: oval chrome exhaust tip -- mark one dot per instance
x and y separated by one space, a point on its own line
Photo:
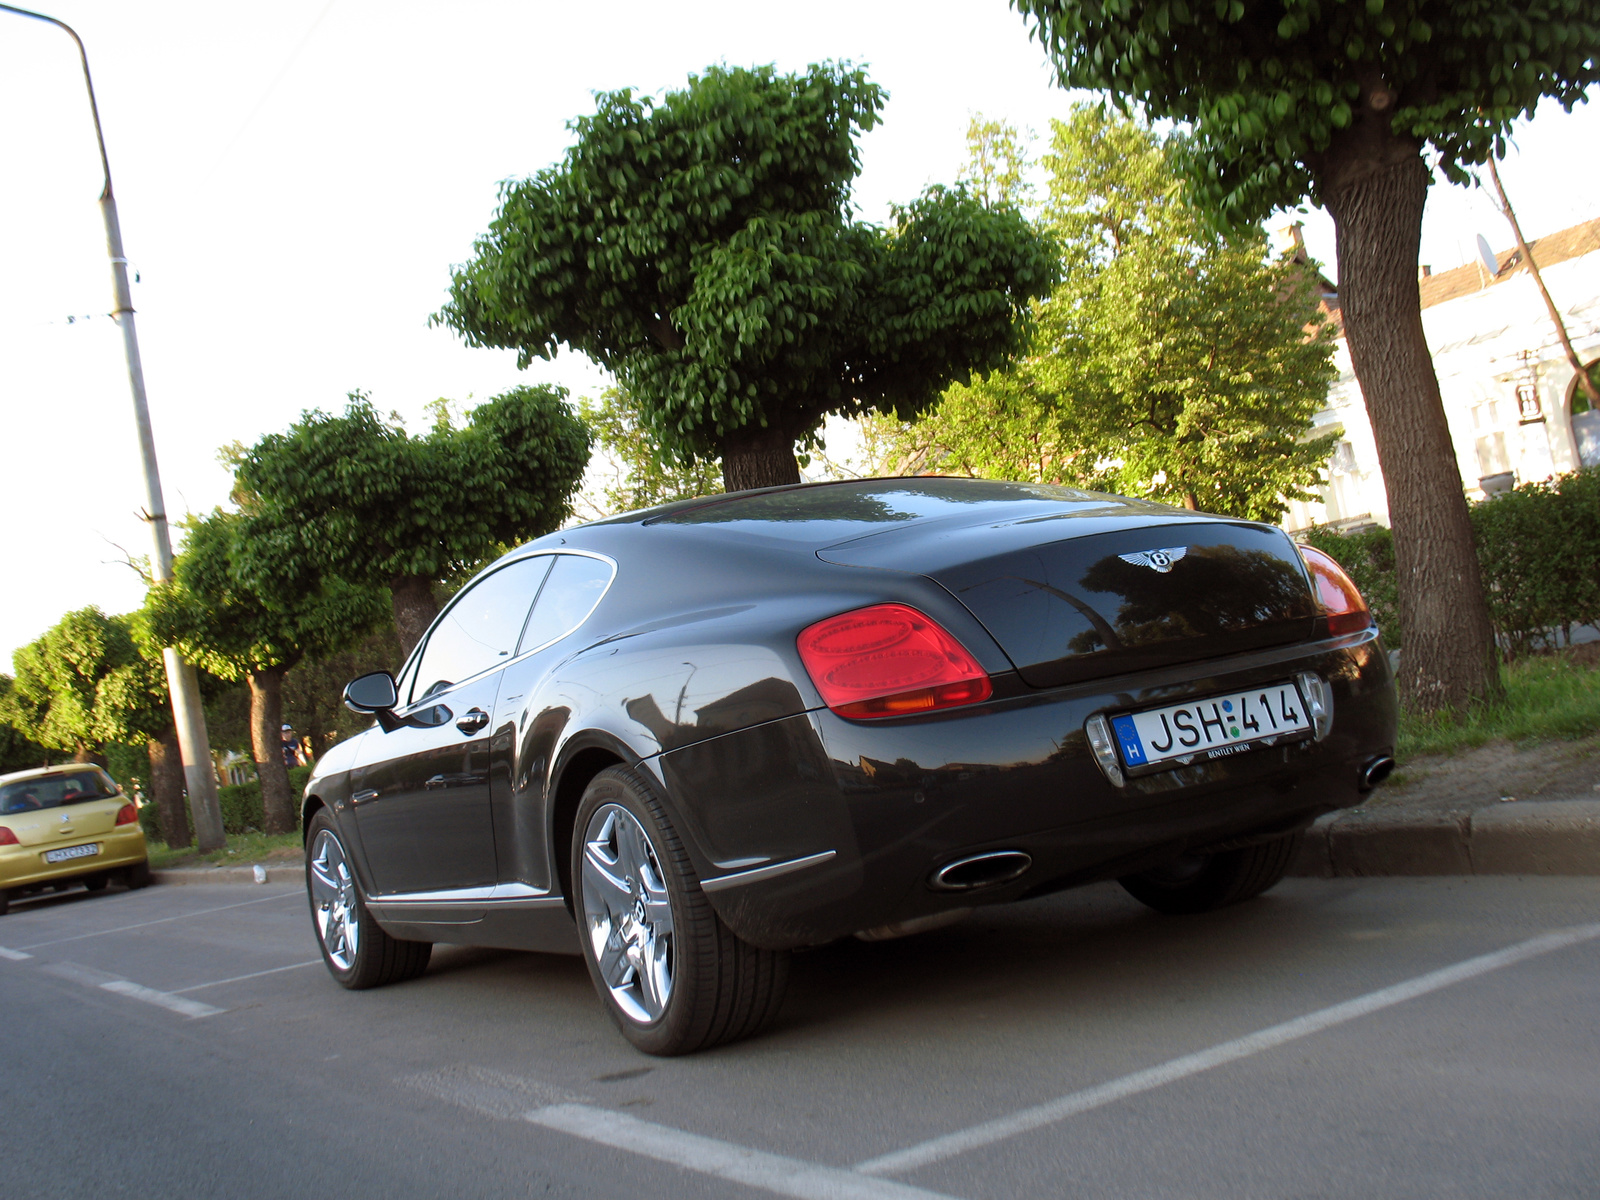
1376 771
980 870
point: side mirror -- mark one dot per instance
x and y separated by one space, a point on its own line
370 694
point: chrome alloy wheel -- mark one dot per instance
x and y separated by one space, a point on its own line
628 913
333 901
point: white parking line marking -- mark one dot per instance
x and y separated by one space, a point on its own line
487 1091
137 991
105 981
513 1097
937 1149
725 1160
240 978
13 955
87 976
78 937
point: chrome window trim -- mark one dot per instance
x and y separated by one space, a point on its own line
739 878
437 697
605 558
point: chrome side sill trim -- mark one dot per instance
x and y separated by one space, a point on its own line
471 895
739 878
462 912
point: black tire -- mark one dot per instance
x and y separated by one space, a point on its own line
1203 882
376 959
5 902
96 883
136 876
721 988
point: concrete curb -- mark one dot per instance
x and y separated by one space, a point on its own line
1527 837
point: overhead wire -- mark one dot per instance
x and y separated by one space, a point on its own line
277 80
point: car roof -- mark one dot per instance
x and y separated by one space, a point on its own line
886 500
45 772
812 516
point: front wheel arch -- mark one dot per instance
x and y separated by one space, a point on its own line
308 810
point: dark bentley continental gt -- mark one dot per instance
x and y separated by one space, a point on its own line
685 741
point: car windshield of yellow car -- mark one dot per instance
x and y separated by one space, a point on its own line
52 791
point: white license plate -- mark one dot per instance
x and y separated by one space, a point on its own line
1214 727
71 852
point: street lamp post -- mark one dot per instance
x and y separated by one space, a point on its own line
182 682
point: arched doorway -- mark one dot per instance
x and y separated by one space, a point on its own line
1585 418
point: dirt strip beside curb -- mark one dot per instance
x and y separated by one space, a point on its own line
275 873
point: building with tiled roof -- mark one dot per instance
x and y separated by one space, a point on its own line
1509 392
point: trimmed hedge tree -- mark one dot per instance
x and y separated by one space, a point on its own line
355 497
699 247
220 622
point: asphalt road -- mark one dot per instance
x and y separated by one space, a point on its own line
1341 1038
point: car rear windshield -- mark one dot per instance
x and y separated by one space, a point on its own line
52 791
826 513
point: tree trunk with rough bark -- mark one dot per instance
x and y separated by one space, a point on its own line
414 609
757 458
89 752
1374 184
166 788
266 739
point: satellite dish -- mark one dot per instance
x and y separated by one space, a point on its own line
1487 258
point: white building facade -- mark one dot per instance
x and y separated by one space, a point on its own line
1509 392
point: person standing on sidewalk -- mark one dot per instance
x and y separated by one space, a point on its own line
291 747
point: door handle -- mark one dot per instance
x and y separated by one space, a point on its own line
474 720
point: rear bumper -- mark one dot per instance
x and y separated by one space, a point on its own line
24 866
896 801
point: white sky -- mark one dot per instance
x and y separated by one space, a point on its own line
295 181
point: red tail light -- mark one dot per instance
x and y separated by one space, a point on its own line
127 815
889 660
1340 598
7 838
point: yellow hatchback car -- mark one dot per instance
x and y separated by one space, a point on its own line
67 824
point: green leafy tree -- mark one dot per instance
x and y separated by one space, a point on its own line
1337 102
636 474
86 683
699 247
998 162
355 497
18 752
312 691
221 623
1171 362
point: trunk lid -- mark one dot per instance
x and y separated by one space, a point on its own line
64 825
1144 594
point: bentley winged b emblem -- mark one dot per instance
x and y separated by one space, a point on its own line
1159 561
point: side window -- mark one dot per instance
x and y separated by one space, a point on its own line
575 586
480 627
